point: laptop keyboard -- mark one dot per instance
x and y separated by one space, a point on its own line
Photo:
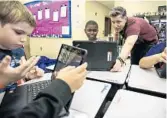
35 88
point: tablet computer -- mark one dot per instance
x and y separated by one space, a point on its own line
70 56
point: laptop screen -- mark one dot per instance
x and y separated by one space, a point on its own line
101 54
162 71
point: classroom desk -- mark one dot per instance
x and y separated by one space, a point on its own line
90 98
117 79
110 77
129 104
146 81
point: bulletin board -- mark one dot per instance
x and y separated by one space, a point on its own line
53 18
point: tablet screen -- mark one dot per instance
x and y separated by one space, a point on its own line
69 55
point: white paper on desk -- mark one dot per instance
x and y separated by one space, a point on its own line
63 12
47 13
35 17
65 30
40 15
56 16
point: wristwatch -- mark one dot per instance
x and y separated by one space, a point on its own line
122 61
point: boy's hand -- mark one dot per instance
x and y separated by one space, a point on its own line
73 76
163 56
34 73
117 67
9 74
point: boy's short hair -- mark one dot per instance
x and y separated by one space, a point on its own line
116 11
14 12
91 22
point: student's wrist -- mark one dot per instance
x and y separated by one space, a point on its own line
158 59
122 56
121 61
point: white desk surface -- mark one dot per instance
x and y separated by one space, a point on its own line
89 98
76 114
128 104
112 77
146 80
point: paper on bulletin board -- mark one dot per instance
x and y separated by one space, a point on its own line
52 16
55 16
63 11
65 30
40 15
35 17
47 13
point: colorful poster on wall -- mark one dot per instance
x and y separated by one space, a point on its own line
53 18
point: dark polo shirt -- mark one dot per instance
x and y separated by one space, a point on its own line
140 27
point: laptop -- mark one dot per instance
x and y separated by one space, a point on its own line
17 99
101 54
161 71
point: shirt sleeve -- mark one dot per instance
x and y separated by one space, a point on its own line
156 49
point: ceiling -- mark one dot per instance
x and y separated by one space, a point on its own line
109 3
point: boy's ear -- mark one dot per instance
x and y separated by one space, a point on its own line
27 48
85 30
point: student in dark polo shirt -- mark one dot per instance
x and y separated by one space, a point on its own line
139 36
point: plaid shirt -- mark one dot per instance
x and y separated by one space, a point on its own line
16 56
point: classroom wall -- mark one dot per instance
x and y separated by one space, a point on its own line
49 46
135 6
82 11
93 7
